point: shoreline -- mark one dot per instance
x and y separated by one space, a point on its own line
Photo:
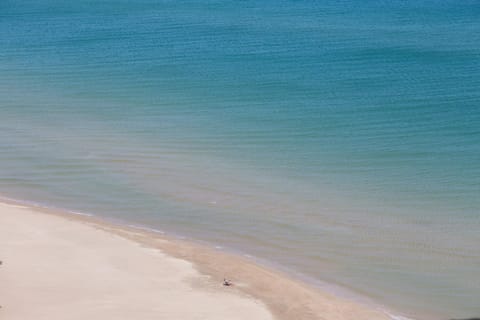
284 296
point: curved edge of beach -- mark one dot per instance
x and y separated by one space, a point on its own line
61 266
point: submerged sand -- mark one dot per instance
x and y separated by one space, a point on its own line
60 267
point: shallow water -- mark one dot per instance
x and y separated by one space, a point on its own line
339 140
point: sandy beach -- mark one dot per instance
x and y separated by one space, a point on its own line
56 266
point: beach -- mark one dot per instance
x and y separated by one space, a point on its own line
336 143
56 266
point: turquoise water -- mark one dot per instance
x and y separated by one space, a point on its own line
337 139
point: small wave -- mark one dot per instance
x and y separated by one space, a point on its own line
17 206
81 213
146 228
25 203
397 317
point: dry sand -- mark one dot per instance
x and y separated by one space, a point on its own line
62 267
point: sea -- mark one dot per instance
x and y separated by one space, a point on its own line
338 141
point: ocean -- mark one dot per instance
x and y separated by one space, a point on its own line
336 140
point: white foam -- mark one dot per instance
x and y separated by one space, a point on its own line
16 206
146 228
397 317
81 213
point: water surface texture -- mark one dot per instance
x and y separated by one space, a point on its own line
339 140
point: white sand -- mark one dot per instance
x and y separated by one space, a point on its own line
58 268
65 267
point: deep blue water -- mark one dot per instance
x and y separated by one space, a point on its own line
338 139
